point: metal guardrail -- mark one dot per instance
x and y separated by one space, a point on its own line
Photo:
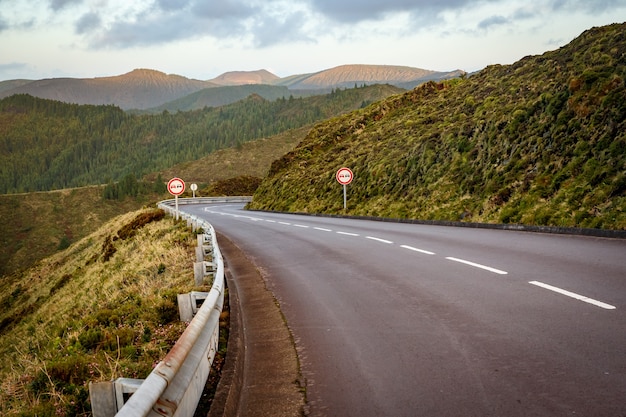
175 385
166 204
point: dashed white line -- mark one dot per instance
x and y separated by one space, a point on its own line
285 223
323 229
378 239
347 234
487 268
426 252
271 221
301 225
574 295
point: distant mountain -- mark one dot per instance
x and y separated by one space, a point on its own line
11 84
245 77
349 75
141 88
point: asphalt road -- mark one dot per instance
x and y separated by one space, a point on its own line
399 320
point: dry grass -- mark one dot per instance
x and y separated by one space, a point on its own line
76 317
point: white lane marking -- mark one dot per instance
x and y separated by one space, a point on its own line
271 221
417 250
322 229
288 224
347 234
301 225
573 295
488 268
379 239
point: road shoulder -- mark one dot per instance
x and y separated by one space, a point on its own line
261 376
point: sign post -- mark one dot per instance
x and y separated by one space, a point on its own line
344 177
194 188
176 187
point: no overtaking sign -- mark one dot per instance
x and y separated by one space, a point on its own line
176 186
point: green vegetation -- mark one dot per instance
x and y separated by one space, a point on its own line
101 309
540 142
37 225
46 145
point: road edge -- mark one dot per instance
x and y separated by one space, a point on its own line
261 375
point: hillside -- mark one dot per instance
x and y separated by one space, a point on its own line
36 225
101 309
245 77
350 75
138 89
144 89
542 141
46 145
221 96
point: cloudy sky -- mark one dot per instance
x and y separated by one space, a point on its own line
204 38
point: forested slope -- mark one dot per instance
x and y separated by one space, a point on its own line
542 141
47 145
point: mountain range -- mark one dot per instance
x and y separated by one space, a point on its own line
143 89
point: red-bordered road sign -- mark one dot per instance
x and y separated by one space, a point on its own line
176 186
344 176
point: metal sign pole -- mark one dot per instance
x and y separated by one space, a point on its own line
344 197
176 199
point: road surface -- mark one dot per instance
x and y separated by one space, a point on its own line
396 320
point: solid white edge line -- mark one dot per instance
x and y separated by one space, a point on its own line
488 268
378 239
426 252
574 295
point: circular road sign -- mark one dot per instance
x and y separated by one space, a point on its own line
176 186
344 176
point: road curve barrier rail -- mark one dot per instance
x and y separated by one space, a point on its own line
175 385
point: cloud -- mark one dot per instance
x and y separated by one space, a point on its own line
62 4
274 30
594 6
263 23
493 21
353 11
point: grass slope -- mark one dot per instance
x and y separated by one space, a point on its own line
103 308
542 141
36 225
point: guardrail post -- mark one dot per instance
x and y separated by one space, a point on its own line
102 398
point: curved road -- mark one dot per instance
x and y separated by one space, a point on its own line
398 320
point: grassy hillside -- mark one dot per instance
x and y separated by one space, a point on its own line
36 225
249 159
540 142
103 308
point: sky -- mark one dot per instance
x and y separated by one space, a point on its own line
202 39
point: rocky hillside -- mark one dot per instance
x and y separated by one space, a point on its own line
542 141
